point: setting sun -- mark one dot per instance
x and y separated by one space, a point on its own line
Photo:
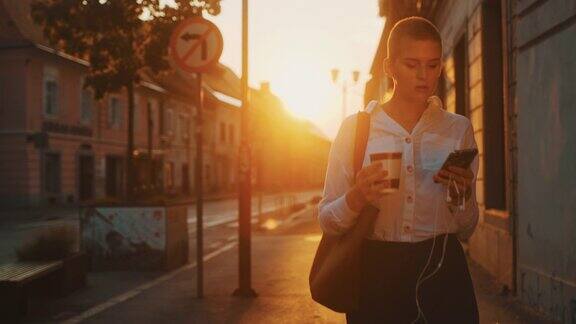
294 48
303 89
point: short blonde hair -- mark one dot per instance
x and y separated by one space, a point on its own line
412 27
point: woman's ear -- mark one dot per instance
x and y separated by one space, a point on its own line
441 68
387 66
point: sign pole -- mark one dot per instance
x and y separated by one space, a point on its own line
245 190
195 47
199 195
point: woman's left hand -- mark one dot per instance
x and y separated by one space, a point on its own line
461 177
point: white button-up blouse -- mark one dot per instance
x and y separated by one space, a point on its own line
418 210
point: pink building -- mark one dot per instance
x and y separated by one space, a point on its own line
59 145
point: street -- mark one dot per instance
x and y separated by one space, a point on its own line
281 261
216 212
225 211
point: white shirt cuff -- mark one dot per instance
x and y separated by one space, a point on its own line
337 217
344 216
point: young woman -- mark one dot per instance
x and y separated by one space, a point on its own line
413 267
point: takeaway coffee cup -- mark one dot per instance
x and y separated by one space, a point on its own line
391 162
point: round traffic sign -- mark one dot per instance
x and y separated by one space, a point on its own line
195 45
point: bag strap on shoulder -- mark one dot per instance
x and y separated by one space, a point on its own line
361 140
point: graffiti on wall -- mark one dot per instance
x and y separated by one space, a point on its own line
124 238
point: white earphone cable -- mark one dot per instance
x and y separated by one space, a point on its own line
420 280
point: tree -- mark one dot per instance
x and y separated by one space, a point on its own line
119 38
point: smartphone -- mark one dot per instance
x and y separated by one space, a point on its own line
460 158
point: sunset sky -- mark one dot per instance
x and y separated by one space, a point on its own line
294 45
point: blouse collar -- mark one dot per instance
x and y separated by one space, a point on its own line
384 122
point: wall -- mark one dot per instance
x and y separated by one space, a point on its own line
13 147
546 74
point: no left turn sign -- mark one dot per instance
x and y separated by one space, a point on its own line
195 45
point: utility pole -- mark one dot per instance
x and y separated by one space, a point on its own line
199 193
245 183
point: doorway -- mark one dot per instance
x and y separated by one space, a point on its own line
85 177
114 176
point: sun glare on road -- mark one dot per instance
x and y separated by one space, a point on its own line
270 224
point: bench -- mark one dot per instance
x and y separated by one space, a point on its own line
20 281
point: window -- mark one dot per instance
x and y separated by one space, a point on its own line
50 93
51 173
185 178
177 125
169 121
222 132
169 174
150 114
494 159
173 121
185 128
86 103
137 112
231 133
114 112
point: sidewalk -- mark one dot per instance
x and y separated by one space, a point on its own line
280 265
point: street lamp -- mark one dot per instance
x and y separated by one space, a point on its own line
355 76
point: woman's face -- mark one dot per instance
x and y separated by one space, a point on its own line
415 69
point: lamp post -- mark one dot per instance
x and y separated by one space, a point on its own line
355 76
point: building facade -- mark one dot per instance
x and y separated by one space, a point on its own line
58 145
508 67
225 141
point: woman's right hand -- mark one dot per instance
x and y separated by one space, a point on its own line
365 189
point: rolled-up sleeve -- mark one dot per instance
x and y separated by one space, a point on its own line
334 214
468 219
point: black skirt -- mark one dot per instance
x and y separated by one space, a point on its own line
388 281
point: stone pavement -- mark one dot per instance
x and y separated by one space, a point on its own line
281 259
